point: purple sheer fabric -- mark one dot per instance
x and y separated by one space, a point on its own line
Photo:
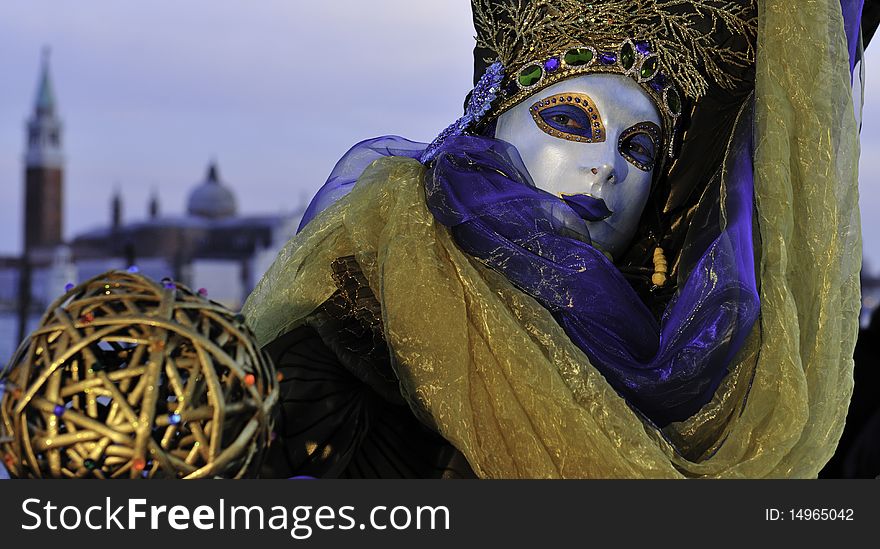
480 189
350 167
852 22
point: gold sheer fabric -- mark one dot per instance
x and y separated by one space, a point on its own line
490 369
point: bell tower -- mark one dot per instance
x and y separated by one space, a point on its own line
44 171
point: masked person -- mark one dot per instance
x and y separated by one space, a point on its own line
635 255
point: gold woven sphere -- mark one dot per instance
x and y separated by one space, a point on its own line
129 378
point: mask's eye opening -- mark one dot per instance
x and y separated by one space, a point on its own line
570 116
640 144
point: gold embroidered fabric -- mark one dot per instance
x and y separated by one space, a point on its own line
355 297
490 369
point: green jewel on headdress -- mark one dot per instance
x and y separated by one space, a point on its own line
674 49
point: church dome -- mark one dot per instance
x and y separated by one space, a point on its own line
211 198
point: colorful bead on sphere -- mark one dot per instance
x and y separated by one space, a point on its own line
250 380
133 269
69 286
59 410
203 292
138 464
174 419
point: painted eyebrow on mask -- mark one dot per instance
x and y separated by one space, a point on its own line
570 116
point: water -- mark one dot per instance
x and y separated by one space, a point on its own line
8 343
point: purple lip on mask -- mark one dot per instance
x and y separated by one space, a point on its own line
587 207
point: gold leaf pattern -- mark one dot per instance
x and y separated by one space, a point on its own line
684 33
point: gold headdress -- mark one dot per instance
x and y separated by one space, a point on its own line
672 48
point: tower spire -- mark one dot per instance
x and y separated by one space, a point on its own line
116 208
44 126
44 167
213 175
153 208
45 101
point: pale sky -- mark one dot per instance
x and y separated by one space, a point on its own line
275 90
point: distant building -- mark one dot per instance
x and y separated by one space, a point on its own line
44 173
211 246
44 258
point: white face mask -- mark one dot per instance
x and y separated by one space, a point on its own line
550 130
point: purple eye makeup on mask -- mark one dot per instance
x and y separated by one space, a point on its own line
570 116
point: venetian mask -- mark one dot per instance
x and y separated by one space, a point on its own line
597 135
